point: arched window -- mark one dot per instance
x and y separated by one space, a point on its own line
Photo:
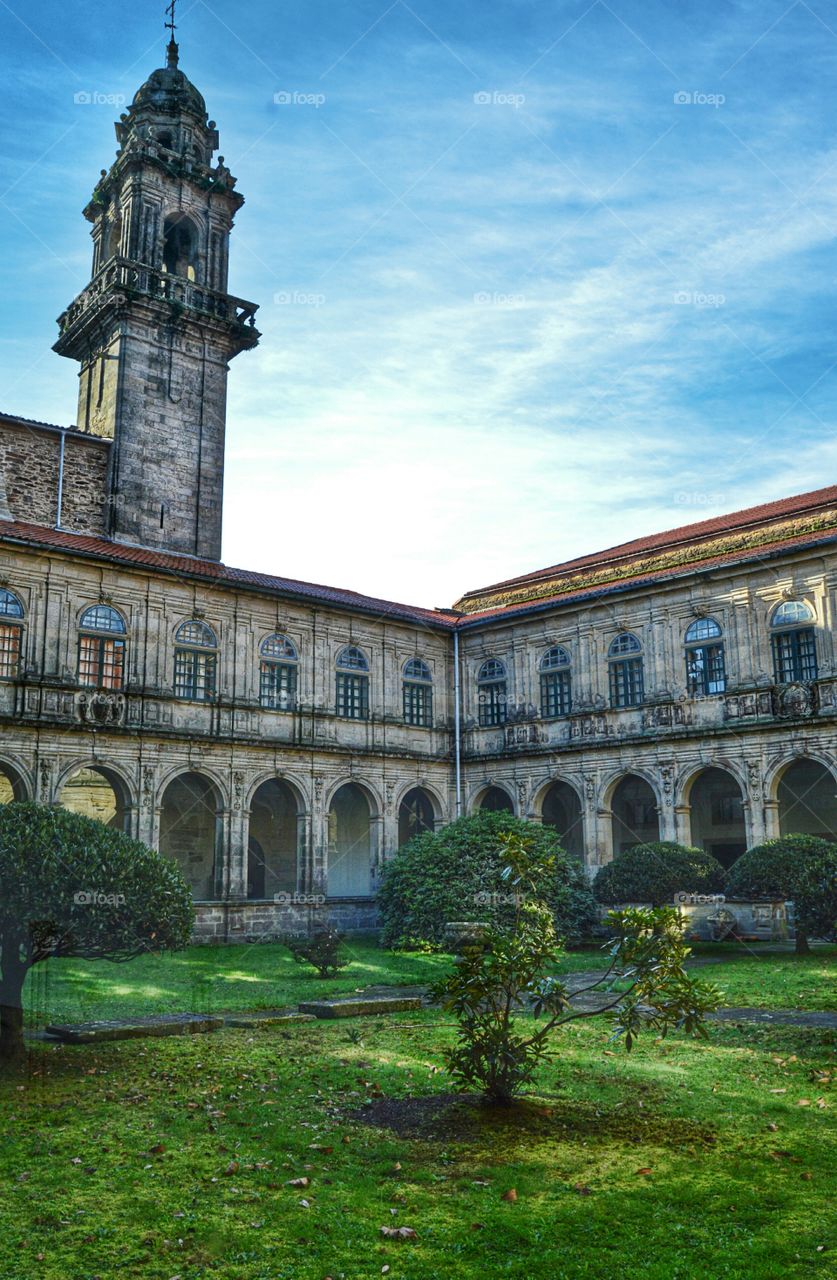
627 680
101 648
705 667
11 634
492 693
278 673
556 683
352 684
180 246
794 643
195 661
418 693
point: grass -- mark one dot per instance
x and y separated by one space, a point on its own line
210 979
171 1158
234 978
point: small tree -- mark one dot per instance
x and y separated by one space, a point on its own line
322 950
655 872
70 886
776 870
509 974
456 874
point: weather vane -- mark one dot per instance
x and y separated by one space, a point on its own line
171 24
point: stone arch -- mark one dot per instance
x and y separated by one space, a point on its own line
96 791
417 812
495 798
191 830
560 807
14 785
351 849
218 779
296 785
715 799
635 811
274 843
805 792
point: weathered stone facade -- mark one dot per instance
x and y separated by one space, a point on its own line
280 740
35 483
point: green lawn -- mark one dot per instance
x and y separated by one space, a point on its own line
217 979
169 1159
210 979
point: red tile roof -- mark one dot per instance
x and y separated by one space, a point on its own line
631 565
650 553
190 567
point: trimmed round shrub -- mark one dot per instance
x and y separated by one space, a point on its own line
71 886
778 869
455 874
815 901
655 872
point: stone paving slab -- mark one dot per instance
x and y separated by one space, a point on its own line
166 1024
360 1006
266 1018
779 1017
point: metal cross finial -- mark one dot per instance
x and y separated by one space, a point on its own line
171 22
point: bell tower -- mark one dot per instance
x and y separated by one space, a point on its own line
156 328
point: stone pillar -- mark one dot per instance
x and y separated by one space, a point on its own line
235 825
319 839
305 860
683 823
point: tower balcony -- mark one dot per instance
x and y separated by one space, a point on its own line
121 281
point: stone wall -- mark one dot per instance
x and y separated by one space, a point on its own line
30 457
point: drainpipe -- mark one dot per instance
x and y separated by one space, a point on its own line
457 725
61 480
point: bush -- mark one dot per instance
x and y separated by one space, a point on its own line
510 973
815 896
70 886
777 870
456 873
655 872
321 950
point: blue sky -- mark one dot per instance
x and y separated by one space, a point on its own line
534 277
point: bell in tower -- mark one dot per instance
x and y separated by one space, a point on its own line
155 329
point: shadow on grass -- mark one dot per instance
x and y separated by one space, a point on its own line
468 1118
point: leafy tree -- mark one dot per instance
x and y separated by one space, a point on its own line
70 886
777 870
322 950
456 873
655 872
493 984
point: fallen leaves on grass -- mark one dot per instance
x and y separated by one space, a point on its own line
399 1233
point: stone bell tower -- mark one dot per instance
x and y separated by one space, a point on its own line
155 329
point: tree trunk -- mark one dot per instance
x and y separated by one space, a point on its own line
802 948
15 962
